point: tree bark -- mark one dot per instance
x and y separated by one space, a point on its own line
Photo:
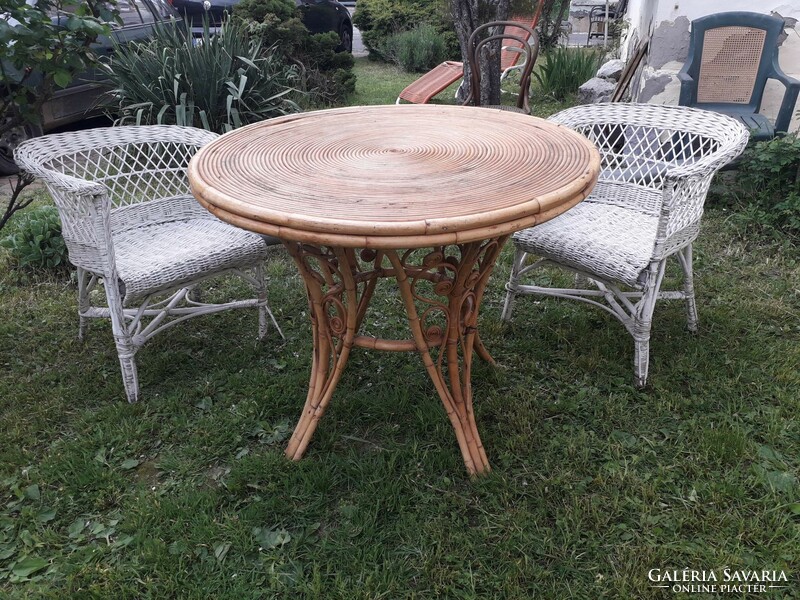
467 16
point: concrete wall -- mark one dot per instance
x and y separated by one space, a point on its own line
667 23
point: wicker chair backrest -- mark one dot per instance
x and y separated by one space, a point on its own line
657 159
92 173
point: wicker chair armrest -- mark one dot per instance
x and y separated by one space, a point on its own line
74 186
707 165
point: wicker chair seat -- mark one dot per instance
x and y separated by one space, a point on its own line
170 255
596 238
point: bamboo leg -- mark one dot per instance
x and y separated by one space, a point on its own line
329 357
482 352
337 311
461 338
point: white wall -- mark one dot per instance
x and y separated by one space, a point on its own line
665 21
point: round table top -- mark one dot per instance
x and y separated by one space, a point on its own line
394 176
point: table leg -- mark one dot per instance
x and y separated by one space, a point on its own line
448 287
468 273
336 313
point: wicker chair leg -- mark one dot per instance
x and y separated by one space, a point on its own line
643 322
513 283
126 349
261 292
641 361
685 258
263 304
83 302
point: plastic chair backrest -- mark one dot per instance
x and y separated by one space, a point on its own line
731 55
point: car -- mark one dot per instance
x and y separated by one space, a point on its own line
319 16
81 98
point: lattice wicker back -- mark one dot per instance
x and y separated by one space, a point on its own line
658 160
729 64
95 173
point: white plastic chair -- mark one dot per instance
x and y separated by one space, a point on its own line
130 221
657 164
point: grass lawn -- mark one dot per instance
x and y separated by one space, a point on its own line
188 495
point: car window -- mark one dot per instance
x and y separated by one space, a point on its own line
134 12
163 9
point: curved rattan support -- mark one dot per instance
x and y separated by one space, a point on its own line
657 165
441 288
529 47
129 220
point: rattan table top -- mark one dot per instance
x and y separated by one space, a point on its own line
394 176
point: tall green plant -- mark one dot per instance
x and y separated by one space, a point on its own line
565 70
417 49
218 82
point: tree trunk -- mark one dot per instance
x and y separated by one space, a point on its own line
467 16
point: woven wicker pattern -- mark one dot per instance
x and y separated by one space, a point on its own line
729 65
130 222
658 162
394 176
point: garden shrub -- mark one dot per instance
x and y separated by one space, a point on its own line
227 80
564 70
378 20
416 50
767 188
35 242
325 74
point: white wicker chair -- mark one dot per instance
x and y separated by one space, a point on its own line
657 164
129 219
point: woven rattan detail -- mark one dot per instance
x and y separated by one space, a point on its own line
729 66
394 171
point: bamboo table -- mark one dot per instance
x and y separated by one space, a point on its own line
356 193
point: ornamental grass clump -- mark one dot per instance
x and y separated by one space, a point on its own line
218 81
565 69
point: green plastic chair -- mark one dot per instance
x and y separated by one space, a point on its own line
731 56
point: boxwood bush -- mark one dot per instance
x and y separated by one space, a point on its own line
418 49
325 74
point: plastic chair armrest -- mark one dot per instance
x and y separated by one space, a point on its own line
792 86
688 87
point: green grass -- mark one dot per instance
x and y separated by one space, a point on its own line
187 494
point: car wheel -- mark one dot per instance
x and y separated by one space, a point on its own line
9 141
346 37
